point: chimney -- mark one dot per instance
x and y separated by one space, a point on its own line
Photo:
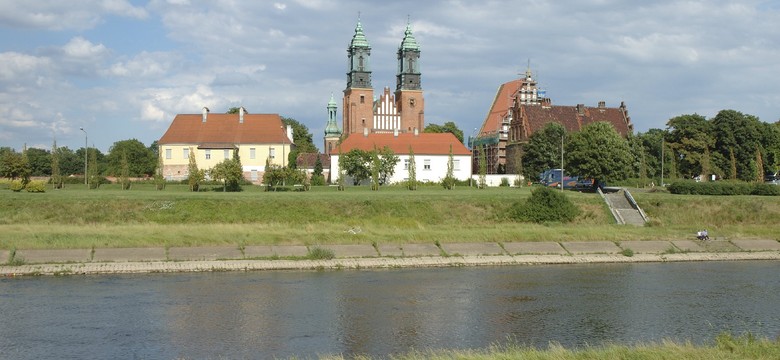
241 112
365 132
205 113
416 132
602 104
581 109
290 133
395 132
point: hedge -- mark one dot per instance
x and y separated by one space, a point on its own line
690 187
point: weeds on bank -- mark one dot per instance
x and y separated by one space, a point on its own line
318 253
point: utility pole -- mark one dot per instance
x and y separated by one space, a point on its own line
86 151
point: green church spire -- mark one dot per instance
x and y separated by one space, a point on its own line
409 42
332 129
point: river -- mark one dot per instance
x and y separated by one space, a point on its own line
379 312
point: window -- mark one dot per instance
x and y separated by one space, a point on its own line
186 153
227 154
455 165
168 153
362 99
252 153
427 164
406 164
254 175
272 153
208 154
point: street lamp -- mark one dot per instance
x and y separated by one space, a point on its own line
85 155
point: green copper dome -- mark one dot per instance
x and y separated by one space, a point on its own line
332 129
409 43
359 39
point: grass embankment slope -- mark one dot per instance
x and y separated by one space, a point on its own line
725 347
109 217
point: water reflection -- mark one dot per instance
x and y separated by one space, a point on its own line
380 312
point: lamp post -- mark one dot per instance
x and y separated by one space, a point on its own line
86 150
284 142
473 154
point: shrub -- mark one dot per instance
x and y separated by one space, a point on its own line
318 253
544 205
36 186
16 185
504 182
689 187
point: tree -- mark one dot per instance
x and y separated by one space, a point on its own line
543 151
230 171
194 175
448 127
742 133
598 152
124 178
141 160
317 179
56 175
449 180
154 147
690 135
759 166
40 162
387 162
93 176
159 177
374 170
412 183
302 139
356 165
70 163
15 165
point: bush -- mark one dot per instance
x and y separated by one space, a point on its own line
36 186
690 187
318 253
504 182
16 185
544 205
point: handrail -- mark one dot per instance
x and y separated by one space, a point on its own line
615 213
635 205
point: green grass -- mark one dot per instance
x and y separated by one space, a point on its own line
109 217
725 347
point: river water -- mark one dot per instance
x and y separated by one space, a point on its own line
380 312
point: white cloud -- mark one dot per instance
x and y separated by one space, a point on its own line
65 15
280 6
143 66
15 66
80 48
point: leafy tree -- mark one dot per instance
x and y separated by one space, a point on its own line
230 172
387 162
15 165
100 160
70 162
302 139
40 161
482 168
543 151
317 178
759 166
56 175
448 127
598 152
159 177
412 183
233 110
449 180
93 175
194 175
357 165
141 160
124 177
154 147
690 135
342 174
374 170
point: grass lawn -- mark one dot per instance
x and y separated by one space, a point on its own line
109 217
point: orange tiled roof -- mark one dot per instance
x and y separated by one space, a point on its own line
308 160
225 129
424 143
500 107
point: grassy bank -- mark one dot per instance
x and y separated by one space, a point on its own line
725 347
109 217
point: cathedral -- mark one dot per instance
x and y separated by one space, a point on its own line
396 112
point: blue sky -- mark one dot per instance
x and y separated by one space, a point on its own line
123 69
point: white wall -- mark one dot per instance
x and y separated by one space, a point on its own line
437 171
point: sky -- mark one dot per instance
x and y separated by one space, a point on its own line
123 69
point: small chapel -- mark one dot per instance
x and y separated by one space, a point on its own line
401 111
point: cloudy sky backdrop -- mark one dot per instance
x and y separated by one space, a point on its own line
123 69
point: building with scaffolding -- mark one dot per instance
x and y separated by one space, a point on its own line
519 109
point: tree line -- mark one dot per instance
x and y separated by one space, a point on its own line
731 145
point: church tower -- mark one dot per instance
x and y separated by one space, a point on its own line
358 109
408 91
332 132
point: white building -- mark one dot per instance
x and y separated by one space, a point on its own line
431 154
